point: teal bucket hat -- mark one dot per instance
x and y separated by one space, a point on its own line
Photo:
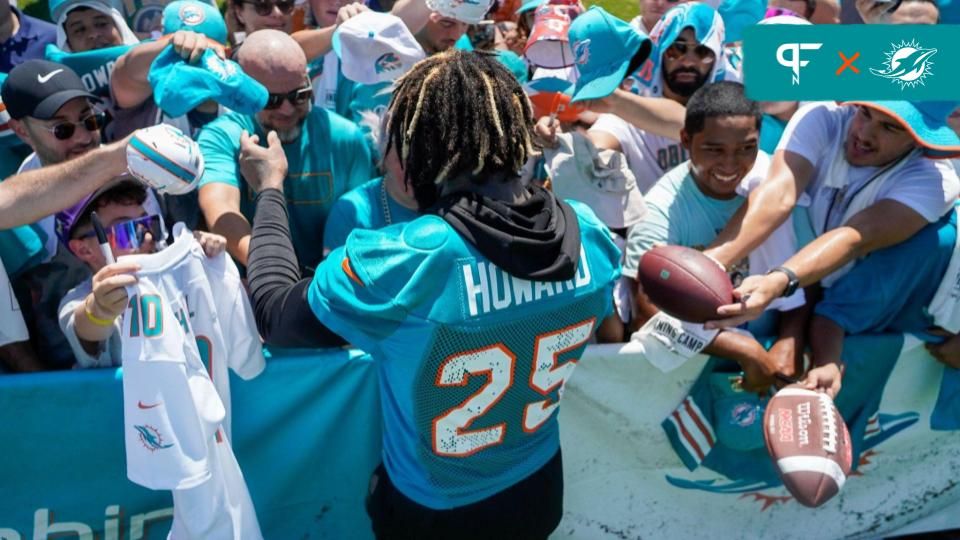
926 121
603 49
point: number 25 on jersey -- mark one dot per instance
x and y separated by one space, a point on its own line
451 434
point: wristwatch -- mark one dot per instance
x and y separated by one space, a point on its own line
793 282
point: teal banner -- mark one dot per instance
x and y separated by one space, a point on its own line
852 62
307 435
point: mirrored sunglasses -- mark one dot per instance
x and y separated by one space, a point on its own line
130 234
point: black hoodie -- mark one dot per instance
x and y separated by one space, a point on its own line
537 239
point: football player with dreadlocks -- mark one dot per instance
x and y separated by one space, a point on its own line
476 312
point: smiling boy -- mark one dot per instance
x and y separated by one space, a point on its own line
689 205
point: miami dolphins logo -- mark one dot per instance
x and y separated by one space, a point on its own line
191 15
907 64
581 51
387 62
151 438
214 64
744 414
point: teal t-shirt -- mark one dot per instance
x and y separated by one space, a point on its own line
678 214
362 208
329 159
771 130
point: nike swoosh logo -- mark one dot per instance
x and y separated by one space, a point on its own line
142 406
44 78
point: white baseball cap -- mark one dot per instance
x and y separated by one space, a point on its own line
468 11
375 47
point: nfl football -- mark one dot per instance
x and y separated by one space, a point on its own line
809 444
684 283
165 159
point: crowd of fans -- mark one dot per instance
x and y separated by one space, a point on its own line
803 203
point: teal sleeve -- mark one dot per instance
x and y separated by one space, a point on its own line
366 289
653 230
351 145
220 145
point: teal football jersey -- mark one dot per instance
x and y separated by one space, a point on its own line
472 361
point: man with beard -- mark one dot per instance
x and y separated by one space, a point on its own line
689 53
327 155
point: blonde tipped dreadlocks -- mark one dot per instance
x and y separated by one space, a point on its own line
458 113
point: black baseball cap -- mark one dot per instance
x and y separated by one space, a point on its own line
38 88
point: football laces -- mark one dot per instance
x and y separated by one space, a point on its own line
829 424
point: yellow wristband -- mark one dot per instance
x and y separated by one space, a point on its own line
97 320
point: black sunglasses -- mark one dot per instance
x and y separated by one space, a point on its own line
679 49
296 97
65 130
264 9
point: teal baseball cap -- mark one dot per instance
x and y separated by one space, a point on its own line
199 17
604 47
178 87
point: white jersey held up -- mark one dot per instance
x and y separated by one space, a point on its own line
187 320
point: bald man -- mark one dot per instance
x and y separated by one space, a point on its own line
326 154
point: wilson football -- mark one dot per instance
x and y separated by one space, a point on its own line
684 283
809 444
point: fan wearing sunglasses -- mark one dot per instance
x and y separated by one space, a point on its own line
327 154
253 15
89 312
73 130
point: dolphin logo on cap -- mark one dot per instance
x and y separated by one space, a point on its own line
581 51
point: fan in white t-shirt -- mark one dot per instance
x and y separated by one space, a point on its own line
876 174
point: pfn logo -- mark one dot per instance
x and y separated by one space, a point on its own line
794 62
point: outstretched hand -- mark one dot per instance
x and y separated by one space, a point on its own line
948 351
545 131
825 378
752 298
262 167
191 45
350 11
